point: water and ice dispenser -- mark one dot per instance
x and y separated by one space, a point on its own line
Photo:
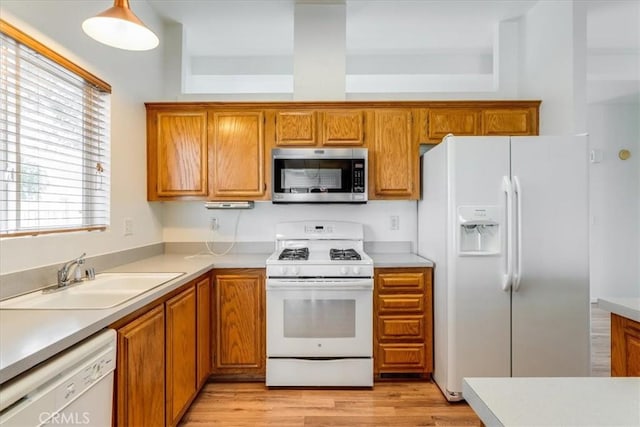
478 230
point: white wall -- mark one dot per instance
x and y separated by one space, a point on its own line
615 200
189 221
135 77
553 64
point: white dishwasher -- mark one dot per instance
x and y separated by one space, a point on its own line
72 388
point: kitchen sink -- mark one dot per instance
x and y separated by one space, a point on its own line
106 291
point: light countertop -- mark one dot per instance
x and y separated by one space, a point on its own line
28 337
625 307
588 401
401 259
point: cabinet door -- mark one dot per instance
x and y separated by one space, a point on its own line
239 323
236 155
342 127
512 121
395 156
625 347
458 121
181 353
140 371
177 154
203 313
296 128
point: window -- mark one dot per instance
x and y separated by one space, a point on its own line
54 141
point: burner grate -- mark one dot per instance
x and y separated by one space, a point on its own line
295 254
344 255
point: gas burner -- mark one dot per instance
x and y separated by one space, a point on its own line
295 254
344 255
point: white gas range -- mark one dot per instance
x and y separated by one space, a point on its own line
319 306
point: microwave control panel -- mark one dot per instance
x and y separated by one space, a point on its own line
358 176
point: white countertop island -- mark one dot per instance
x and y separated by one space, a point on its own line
588 401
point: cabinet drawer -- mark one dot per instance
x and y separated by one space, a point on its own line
400 304
406 282
401 357
401 328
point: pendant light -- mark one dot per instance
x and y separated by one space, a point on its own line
119 27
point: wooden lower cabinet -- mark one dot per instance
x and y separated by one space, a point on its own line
625 347
163 357
180 353
204 327
239 349
403 322
140 371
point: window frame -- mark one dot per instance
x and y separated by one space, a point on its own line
24 39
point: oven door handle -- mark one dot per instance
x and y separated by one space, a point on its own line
322 285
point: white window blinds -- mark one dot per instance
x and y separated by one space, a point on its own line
54 141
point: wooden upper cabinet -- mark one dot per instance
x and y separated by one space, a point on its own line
515 121
295 128
458 121
342 127
177 154
236 155
478 118
393 157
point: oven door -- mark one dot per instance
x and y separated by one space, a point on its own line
319 318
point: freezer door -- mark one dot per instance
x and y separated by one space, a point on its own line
479 307
550 299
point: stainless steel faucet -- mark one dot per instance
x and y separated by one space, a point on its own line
64 276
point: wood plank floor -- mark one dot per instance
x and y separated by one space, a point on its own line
388 404
394 404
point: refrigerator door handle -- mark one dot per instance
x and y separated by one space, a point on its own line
507 278
517 274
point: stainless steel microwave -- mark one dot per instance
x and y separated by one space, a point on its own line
319 175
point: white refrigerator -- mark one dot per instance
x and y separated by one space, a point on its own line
505 221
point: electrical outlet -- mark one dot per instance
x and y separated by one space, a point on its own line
394 222
213 224
128 226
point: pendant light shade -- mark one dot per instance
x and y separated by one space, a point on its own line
119 27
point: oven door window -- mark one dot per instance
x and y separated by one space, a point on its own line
324 318
319 323
313 175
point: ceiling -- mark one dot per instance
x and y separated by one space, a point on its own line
263 28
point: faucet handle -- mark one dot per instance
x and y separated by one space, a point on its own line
91 273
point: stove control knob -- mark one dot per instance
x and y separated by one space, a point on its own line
356 270
294 271
344 271
282 271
